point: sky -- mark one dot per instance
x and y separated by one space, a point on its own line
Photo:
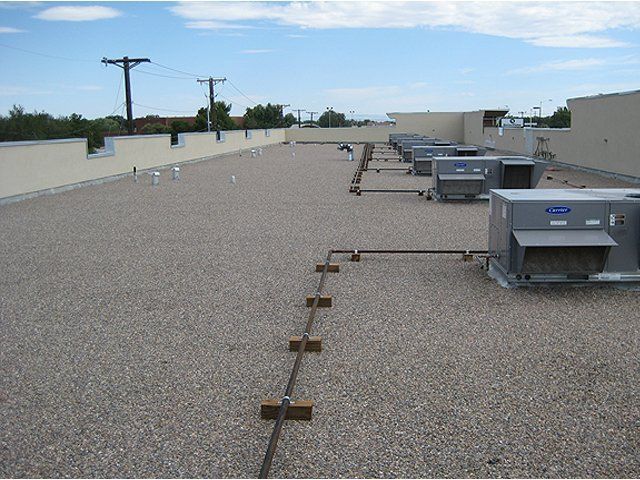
361 58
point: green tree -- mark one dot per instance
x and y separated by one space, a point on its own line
223 119
337 119
267 116
155 128
561 118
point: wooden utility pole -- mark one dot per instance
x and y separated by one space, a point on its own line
212 99
126 64
299 110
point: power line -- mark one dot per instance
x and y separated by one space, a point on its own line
138 70
57 57
178 71
241 93
162 109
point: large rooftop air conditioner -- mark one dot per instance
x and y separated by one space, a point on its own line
395 141
408 142
549 235
405 147
423 154
466 178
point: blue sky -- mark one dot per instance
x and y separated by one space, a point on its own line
367 57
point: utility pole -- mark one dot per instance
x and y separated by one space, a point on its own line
281 107
329 109
212 100
312 114
126 64
299 110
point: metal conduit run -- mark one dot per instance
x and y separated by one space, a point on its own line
363 166
288 393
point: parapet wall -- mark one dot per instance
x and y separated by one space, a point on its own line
603 135
27 167
339 135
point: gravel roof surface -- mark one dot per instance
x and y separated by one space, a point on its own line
141 327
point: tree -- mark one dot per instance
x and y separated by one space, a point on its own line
155 128
289 119
267 116
223 119
337 119
561 118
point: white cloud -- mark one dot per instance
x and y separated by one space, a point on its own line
78 13
537 23
561 65
295 35
10 30
577 64
256 51
16 90
213 25
578 41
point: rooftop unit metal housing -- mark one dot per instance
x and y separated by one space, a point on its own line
423 154
395 141
570 236
467 178
406 145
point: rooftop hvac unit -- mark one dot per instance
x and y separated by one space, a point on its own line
465 178
405 148
565 235
395 141
422 155
409 141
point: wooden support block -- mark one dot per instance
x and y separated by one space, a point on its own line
314 344
355 257
467 257
323 301
298 409
333 267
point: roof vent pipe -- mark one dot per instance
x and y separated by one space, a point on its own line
155 178
175 172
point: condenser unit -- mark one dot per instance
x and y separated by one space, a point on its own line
405 144
423 154
397 141
405 148
464 178
549 235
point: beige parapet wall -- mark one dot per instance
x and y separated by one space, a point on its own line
27 167
445 125
339 135
603 135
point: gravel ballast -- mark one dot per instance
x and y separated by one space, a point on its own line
141 327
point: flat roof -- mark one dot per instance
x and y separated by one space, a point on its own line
141 327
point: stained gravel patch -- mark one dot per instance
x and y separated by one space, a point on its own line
141 327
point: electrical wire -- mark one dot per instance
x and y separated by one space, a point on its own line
161 109
119 89
57 57
178 71
139 70
241 93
